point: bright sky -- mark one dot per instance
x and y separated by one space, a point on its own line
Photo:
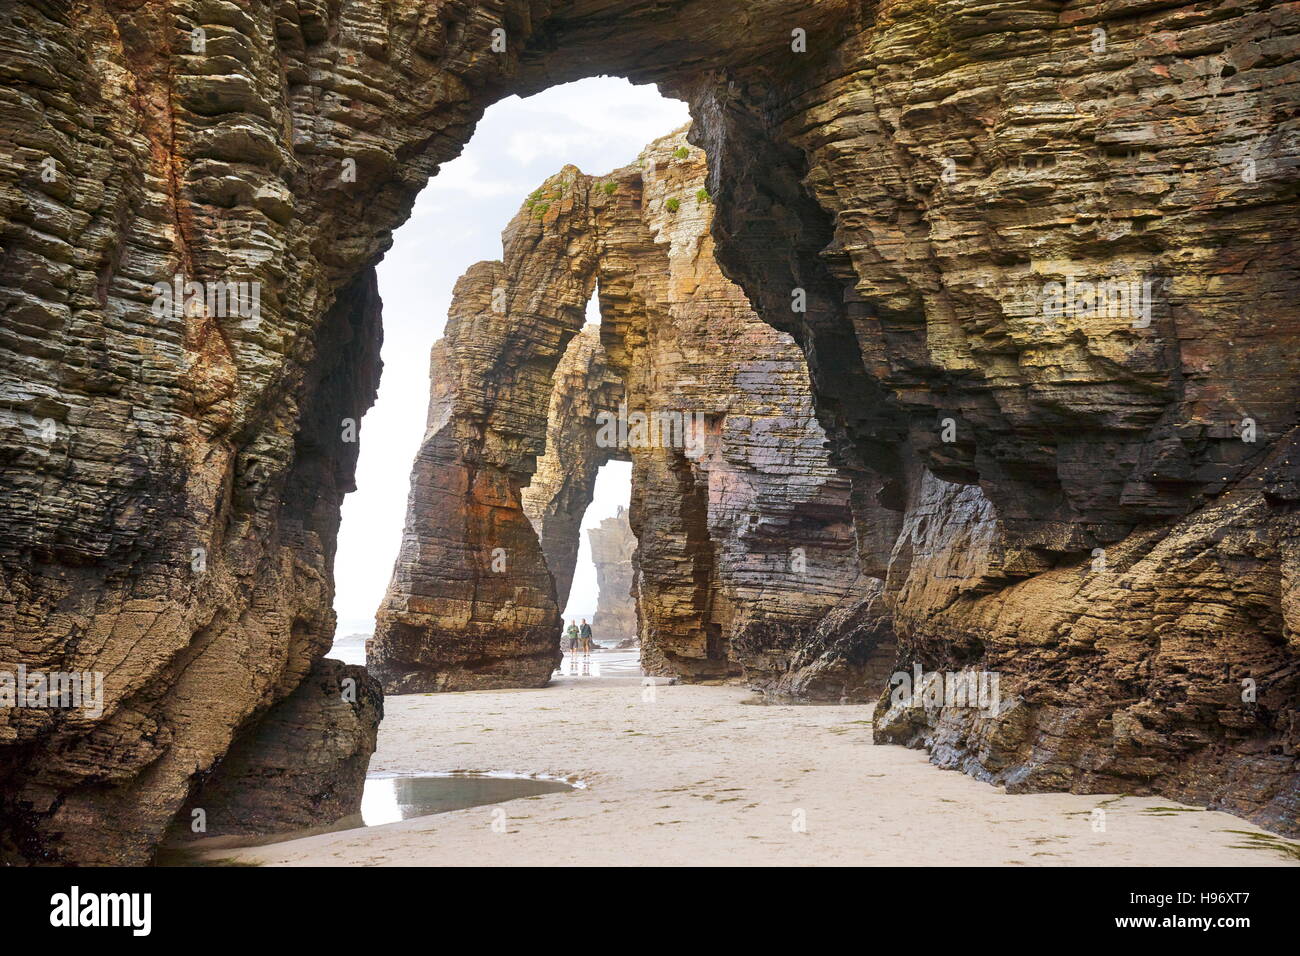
597 125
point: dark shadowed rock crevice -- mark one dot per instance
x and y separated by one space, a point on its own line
848 657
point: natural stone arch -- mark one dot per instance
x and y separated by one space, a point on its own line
472 602
716 525
561 488
744 524
831 173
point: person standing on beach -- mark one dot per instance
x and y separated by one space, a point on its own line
572 635
585 634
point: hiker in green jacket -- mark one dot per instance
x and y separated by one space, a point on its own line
572 635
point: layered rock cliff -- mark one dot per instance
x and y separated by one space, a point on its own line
302 766
561 487
921 172
612 548
472 603
744 527
744 524
1049 330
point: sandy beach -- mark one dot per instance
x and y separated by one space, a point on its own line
690 774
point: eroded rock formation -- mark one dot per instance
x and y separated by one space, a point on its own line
472 604
1160 659
561 487
921 171
179 548
302 766
744 528
612 548
744 524
1117 476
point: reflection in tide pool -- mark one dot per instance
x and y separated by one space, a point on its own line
389 799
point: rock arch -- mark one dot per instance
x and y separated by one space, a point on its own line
744 525
881 172
557 497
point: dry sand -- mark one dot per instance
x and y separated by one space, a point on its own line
697 776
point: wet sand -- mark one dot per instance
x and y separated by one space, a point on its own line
694 775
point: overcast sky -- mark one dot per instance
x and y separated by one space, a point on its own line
598 125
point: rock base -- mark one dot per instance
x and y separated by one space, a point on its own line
302 766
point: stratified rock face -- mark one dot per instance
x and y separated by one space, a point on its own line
920 171
848 657
744 524
744 529
612 549
1117 475
1090 706
471 604
565 478
181 551
272 782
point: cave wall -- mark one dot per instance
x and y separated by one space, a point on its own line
921 172
170 483
302 766
1070 491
